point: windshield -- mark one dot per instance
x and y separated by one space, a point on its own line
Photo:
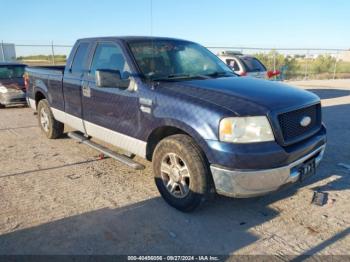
252 64
175 59
11 71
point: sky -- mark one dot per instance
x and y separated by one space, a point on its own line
268 23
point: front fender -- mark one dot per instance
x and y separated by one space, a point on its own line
196 119
200 119
169 122
175 123
201 125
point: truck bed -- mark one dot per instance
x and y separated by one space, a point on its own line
46 70
47 79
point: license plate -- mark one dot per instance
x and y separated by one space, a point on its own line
307 169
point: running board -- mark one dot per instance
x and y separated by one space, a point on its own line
119 157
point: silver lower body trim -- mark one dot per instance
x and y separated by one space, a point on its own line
72 121
125 142
243 184
128 143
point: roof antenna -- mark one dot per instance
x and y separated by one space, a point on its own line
152 43
151 10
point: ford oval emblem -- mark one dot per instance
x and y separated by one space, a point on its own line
305 121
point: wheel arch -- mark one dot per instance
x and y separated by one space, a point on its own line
40 91
162 132
39 95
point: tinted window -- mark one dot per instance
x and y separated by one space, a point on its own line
252 64
233 64
109 56
11 71
80 58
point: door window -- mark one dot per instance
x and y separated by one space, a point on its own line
233 64
109 56
252 64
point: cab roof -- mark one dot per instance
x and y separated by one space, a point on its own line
131 38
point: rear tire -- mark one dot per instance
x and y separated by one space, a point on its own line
2 106
181 172
48 124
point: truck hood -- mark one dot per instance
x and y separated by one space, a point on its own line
243 95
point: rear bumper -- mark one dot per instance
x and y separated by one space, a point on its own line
242 184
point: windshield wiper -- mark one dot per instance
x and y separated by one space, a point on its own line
219 74
179 76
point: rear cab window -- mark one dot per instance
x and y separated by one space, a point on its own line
80 57
252 64
11 71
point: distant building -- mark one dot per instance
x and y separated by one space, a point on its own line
7 52
345 56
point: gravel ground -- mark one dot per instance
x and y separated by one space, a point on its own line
58 197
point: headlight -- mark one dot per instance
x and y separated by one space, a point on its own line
246 129
3 89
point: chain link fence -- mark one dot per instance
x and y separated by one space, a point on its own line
293 63
299 63
53 54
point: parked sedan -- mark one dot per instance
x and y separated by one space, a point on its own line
12 89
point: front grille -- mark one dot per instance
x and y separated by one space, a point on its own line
290 125
18 100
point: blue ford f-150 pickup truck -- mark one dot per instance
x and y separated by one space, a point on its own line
176 104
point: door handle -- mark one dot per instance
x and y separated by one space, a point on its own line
86 91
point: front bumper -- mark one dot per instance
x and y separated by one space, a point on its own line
242 183
13 98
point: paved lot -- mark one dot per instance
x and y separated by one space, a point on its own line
57 197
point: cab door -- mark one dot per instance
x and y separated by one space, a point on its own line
111 114
72 85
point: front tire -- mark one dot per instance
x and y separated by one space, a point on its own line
181 172
48 124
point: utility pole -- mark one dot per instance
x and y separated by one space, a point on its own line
2 51
53 53
306 65
335 65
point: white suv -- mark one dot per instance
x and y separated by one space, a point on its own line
244 65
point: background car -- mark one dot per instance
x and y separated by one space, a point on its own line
12 88
245 65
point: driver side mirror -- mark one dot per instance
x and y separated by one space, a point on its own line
108 78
